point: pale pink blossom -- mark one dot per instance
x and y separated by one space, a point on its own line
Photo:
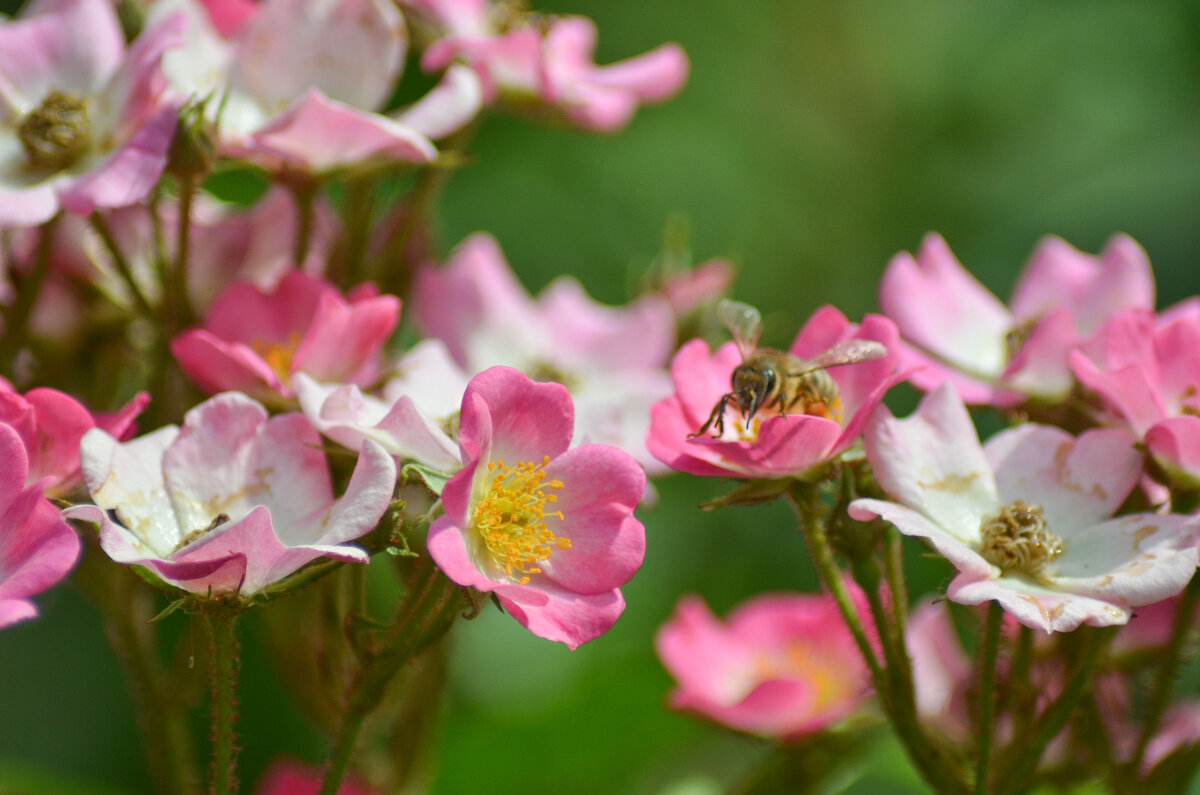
232 502
255 342
51 424
37 547
692 288
781 665
1003 355
612 359
294 84
549 62
1147 373
549 530
414 420
770 445
83 124
1027 519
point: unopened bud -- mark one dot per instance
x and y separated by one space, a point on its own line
193 150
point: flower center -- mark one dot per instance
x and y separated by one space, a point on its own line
1016 539
57 133
511 517
278 355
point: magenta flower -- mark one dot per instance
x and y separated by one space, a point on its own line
232 502
773 446
781 666
51 424
254 341
612 359
82 121
550 531
961 333
1026 519
1148 374
288 777
37 547
549 62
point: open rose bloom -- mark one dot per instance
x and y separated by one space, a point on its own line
548 529
771 445
1003 355
1027 518
781 666
232 501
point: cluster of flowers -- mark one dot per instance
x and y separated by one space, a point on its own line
531 424
1080 513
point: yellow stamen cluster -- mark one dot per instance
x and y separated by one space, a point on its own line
1016 539
278 355
511 517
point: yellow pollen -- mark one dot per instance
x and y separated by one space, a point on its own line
278 355
511 517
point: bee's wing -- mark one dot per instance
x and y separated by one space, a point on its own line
848 352
744 324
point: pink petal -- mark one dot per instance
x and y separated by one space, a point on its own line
1175 445
351 51
632 337
528 420
27 206
343 340
969 324
215 366
452 103
568 617
933 463
1078 482
71 45
320 135
129 174
601 487
448 548
1041 367
956 543
1038 607
229 15
366 498
1091 288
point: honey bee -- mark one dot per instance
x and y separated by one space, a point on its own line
769 378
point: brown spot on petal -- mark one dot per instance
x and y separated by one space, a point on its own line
1057 611
1141 534
1138 567
1107 579
1062 474
953 483
1033 600
1115 612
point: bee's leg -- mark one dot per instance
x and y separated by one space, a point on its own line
717 416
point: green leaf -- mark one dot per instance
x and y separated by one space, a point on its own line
434 480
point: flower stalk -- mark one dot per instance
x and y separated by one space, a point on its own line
224 667
988 652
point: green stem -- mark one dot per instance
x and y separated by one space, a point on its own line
1019 761
16 317
936 768
177 287
424 617
122 265
1017 691
126 606
224 666
1167 668
304 194
358 215
988 651
893 569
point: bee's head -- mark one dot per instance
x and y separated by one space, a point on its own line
751 385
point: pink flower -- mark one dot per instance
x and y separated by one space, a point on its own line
1148 375
611 358
773 446
255 341
551 62
82 122
415 418
295 82
286 777
695 287
780 666
51 424
549 531
37 548
1026 518
232 502
962 333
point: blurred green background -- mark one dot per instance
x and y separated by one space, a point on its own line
813 141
